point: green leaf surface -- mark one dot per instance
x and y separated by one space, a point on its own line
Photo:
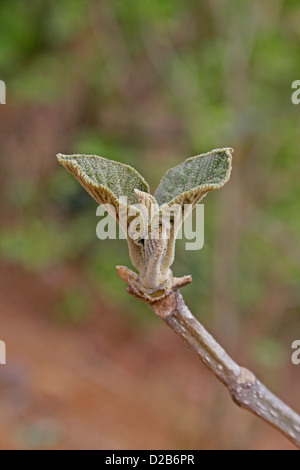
105 180
188 182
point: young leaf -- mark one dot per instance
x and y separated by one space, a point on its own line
190 181
105 180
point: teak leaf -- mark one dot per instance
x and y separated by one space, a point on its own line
190 181
105 180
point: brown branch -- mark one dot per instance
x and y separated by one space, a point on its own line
245 389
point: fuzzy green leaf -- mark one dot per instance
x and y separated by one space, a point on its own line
105 180
190 181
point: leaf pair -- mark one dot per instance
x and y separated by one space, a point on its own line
109 182
151 223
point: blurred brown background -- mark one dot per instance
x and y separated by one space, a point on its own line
148 83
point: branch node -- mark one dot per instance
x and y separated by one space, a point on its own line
152 296
246 377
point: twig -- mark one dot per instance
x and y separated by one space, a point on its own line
245 389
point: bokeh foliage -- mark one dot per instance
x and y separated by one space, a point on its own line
154 82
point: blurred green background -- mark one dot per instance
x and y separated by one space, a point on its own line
148 83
